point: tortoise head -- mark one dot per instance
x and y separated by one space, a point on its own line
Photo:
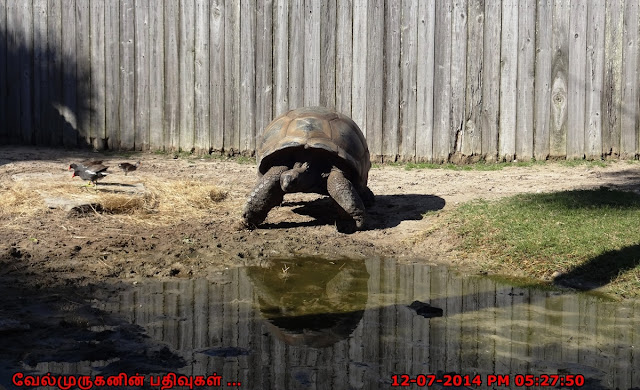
298 179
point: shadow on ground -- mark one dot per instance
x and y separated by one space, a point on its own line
387 212
602 269
48 327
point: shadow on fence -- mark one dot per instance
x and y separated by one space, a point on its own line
44 94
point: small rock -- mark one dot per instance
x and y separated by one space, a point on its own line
426 310
15 252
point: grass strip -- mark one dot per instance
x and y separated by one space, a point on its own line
585 238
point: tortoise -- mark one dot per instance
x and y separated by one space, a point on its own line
312 150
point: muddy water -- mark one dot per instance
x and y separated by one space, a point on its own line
314 324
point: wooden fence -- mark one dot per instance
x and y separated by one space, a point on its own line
487 328
426 80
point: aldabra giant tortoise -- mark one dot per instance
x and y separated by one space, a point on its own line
311 149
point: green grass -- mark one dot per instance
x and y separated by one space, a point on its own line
587 163
591 237
490 166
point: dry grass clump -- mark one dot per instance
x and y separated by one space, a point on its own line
19 200
217 195
182 196
161 203
124 204
168 199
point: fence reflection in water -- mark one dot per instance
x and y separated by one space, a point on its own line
361 328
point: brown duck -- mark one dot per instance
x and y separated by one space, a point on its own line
127 167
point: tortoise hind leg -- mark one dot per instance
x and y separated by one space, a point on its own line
345 194
266 195
367 196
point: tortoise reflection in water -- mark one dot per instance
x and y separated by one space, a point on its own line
319 303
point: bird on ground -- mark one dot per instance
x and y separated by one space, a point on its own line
92 173
127 167
89 163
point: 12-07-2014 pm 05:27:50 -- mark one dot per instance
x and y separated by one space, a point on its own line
498 380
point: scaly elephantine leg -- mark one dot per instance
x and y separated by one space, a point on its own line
367 196
266 195
345 194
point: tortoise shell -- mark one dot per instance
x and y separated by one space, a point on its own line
316 128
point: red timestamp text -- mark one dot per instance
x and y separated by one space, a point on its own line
495 380
427 380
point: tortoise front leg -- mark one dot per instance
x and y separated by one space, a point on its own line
345 194
266 195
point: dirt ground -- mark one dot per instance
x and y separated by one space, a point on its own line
57 247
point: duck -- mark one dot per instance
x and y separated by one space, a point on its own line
127 167
93 173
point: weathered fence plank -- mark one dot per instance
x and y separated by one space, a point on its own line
612 89
375 76
54 64
201 76
280 57
542 104
328 25
157 140
508 80
247 75
471 140
171 76
25 15
359 81
98 75
4 128
559 82
216 75
296 53
40 72
491 80
264 65
629 106
424 79
525 79
186 61
83 74
458 74
344 52
408 79
312 53
595 79
232 79
142 73
576 92
391 117
112 77
69 105
442 77
127 75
